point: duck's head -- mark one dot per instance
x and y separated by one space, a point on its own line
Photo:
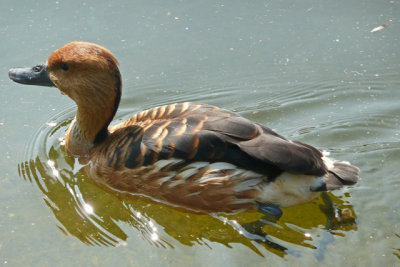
81 70
89 75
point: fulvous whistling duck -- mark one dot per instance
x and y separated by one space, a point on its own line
191 155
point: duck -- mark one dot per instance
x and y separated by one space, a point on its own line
190 155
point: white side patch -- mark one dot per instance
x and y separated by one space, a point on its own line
289 190
214 173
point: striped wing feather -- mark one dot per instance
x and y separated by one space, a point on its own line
206 133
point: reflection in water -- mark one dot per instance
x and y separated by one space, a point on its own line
397 250
96 217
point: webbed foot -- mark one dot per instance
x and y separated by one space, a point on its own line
272 212
254 229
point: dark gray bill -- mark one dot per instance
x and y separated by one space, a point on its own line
36 75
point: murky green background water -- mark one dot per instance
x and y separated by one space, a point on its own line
312 70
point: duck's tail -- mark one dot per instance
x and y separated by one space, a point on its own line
340 173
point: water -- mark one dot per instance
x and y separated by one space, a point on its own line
313 71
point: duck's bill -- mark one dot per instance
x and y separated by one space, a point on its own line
36 75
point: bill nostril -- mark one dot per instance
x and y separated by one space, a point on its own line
37 68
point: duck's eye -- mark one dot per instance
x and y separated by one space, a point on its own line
64 66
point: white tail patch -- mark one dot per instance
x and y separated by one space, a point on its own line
329 163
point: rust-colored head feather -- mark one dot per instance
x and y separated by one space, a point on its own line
82 64
83 54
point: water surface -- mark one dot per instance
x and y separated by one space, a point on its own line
313 71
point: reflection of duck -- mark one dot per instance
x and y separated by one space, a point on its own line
193 155
68 194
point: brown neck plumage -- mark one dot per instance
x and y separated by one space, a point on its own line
94 114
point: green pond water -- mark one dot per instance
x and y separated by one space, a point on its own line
314 71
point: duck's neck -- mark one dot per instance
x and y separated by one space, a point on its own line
87 130
90 125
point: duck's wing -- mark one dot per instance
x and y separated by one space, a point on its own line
197 132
